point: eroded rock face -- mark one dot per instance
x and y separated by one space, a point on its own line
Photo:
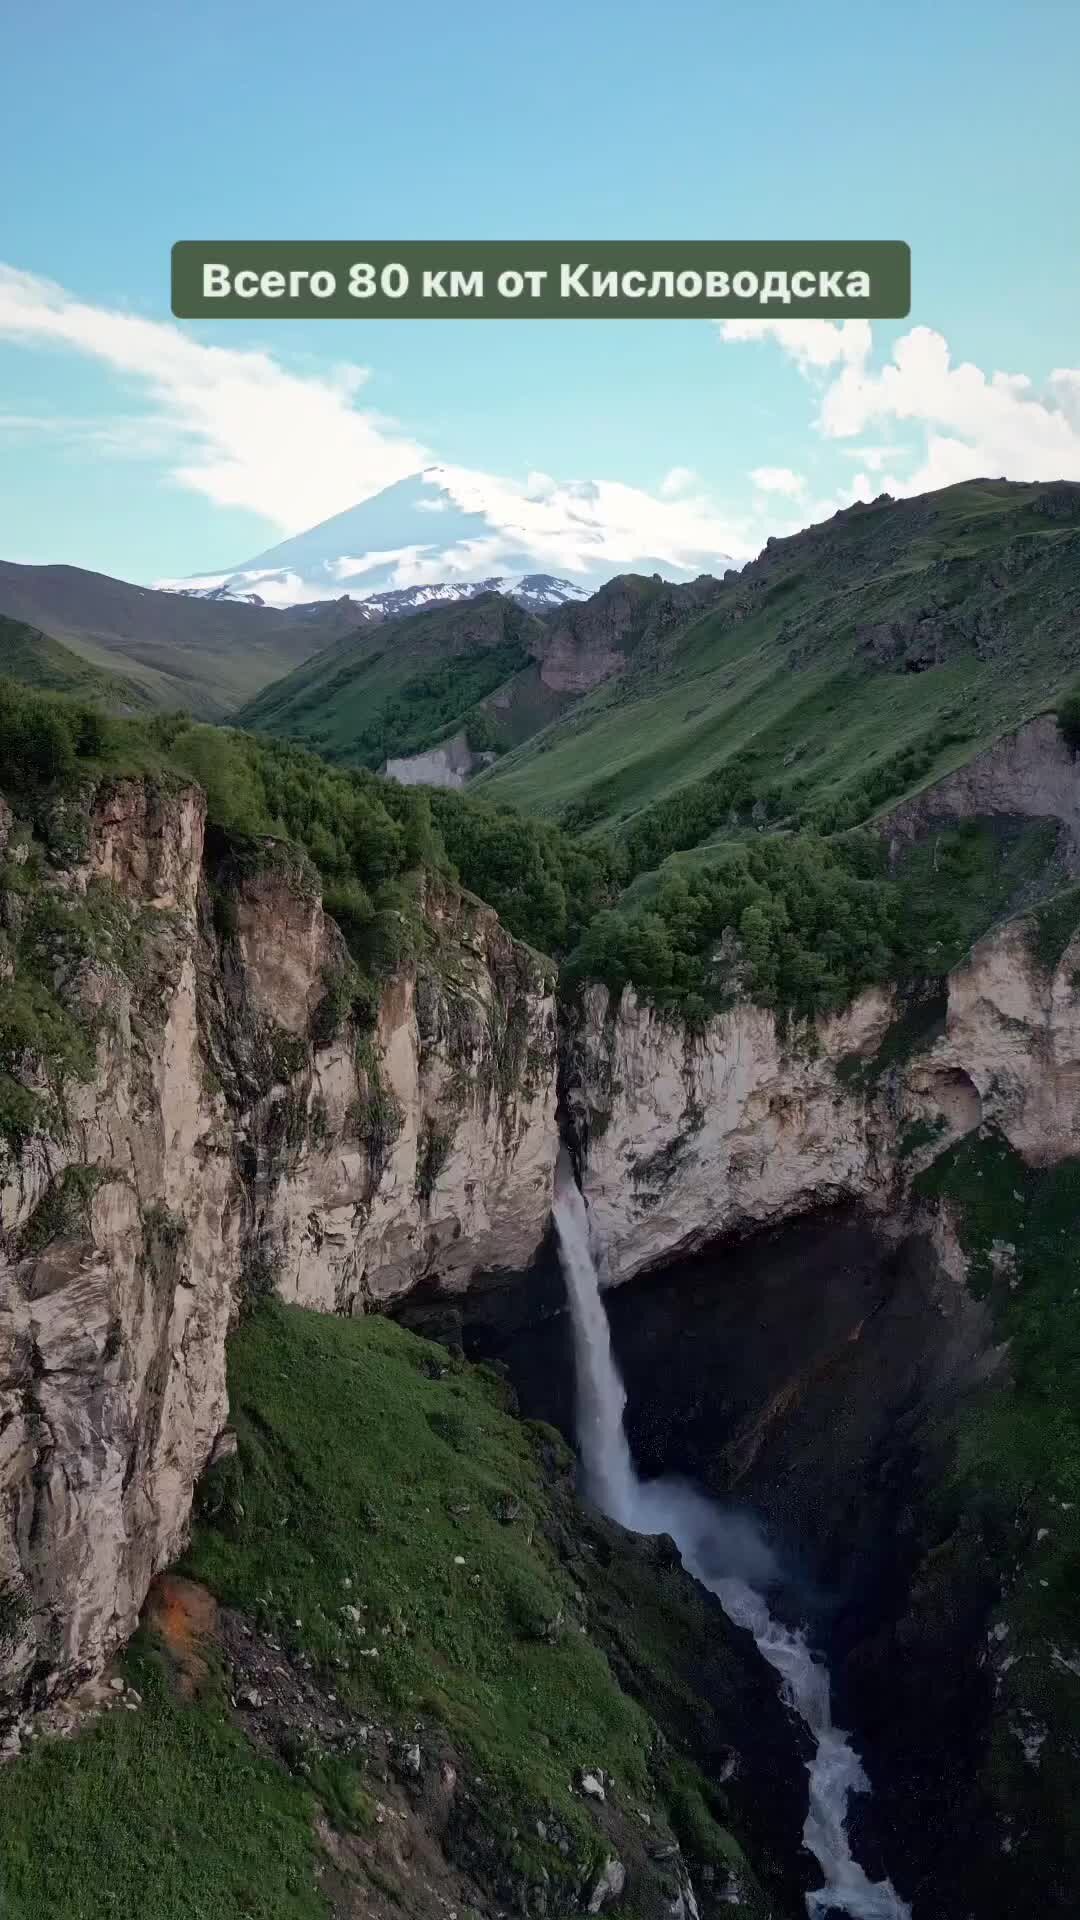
430 1153
1029 773
590 643
687 1137
237 1131
240 1130
927 638
447 765
1010 1053
115 1280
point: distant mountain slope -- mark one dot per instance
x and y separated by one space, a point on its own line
397 687
485 666
845 665
205 656
37 660
417 535
536 590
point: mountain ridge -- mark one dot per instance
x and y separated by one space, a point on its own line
35 659
486 668
898 634
529 589
849 660
205 657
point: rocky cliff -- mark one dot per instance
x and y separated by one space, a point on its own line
195 1110
447 765
198 1106
587 644
684 1137
1028 773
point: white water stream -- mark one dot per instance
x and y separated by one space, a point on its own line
727 1555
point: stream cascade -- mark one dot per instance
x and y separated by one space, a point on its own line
726 1553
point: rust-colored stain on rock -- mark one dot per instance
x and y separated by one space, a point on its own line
184 1616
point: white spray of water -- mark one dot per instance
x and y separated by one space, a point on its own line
727 1555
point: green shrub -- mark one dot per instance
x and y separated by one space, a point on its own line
785 919
376 1117
432 1153
37 738
63 1209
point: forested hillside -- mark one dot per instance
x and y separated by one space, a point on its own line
207 656
36 660
396 687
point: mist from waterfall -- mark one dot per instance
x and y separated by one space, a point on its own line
728 1555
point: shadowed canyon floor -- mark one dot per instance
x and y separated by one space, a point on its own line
828 1377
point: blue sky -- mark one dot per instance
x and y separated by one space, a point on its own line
950 125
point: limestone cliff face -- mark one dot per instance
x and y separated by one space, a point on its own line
447 765
115 1288
230 1118
1010 1053
420 1151
686 1137
233 1129
1029 772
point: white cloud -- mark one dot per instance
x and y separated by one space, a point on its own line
350 565
244 431
467 560
973 424
976 424
810 343
134 436
275 589
577 527
873 458
779 480
677 480
1064 388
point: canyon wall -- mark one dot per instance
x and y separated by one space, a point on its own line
447 765
1028 773
234 1127
239 1120
687 1136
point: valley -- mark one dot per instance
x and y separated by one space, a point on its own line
742 960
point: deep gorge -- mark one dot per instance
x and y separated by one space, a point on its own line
805 1376
809 1306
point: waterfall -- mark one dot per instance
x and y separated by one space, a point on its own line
727 1555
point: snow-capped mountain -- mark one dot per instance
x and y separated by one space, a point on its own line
222 592
442 534
535 590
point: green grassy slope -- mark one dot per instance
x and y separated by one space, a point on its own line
36 660
399 687
930 624
486 665
1011 1508
166 1810
205 656
396 1541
